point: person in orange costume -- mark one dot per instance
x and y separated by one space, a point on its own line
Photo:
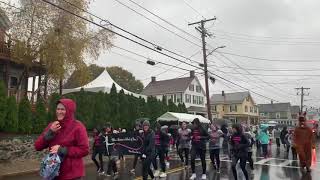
304 142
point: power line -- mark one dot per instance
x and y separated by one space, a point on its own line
261 42
123 36
257 69
158 47
196 11
176 34
257 86
264 37
99 25
148 58
166 21
266 59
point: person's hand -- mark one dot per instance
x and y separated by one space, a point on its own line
144 156
55 126
140 131
54 149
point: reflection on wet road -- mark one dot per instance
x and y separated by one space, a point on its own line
278 166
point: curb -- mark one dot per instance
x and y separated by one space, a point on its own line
29 172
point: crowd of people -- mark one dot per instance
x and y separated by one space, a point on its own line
68 138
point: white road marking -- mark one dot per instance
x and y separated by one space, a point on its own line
263 161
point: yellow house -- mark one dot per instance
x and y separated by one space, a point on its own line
237 107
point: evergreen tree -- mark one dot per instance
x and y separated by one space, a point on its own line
12 115
124 118
25 116
54 98
184 108
101 110
172 107
134 112
114 107
85 109
3 106
40 117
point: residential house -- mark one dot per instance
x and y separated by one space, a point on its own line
238 107
295 110
14 75
282 113
187 90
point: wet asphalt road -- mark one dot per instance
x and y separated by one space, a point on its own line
277 166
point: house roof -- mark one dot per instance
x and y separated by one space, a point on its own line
196 109
295 109
229 98
167 86
275 107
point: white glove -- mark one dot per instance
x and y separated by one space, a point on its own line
140 131
144 156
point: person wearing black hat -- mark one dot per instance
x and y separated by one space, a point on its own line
148 152
161 143
239 150
199 137
303 140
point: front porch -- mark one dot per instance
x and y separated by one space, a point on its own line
243 119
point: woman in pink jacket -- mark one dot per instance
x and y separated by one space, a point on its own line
68 138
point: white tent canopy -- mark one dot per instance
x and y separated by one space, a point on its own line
102 83
180 117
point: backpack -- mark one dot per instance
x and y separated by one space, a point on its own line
50 166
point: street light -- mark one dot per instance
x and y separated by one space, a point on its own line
220 47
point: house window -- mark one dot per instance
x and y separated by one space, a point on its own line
233 108
278 115
188 98
247 99
255 109
13 82
194 100
198 89
222 107
179 97
246 109
191 87
201 100
251 109
214 108
261 114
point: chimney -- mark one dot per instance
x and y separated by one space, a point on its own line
153 79
222 93
192 74
271 101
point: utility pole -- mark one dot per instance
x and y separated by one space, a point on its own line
302 93
204 34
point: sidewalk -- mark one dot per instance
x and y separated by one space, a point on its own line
26 166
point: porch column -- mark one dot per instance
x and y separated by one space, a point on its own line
39 85
6 77
33 87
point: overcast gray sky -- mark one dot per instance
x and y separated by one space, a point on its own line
278 30
271 29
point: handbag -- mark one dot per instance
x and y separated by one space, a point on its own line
50 166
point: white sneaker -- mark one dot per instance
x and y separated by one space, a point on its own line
163 175
204 176
193 176
132 171
156 173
